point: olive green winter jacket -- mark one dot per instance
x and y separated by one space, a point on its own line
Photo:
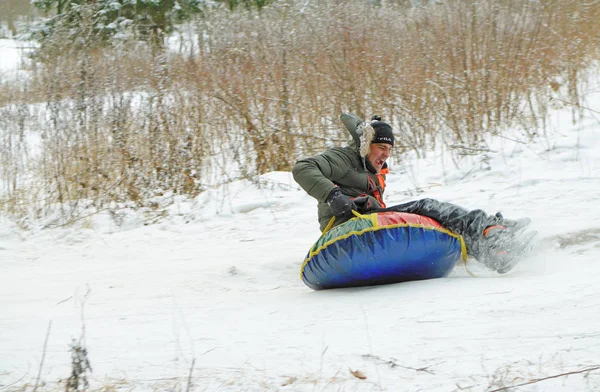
341 166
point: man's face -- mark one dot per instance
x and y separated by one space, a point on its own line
378 154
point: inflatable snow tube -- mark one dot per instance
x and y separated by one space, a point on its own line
381 248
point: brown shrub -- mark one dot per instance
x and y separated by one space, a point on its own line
257 90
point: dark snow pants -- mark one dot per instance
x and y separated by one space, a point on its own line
469 224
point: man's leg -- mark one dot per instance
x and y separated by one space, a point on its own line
469 224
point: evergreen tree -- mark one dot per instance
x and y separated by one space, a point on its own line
150 20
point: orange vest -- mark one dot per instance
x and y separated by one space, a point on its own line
376 191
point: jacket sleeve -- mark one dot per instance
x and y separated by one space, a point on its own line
318 175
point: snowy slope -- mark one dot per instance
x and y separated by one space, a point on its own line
218 296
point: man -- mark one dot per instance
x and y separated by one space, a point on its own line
343 179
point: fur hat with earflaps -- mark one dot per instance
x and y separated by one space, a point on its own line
375 131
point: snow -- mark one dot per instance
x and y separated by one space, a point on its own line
222 291
210 298
11 57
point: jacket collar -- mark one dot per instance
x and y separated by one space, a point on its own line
369 166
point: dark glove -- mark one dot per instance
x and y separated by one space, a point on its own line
340 204
365 204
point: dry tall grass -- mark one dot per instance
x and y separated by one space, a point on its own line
257 90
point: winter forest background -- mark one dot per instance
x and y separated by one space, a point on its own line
148 215
134 102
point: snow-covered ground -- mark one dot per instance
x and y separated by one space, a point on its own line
211 299
218 296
